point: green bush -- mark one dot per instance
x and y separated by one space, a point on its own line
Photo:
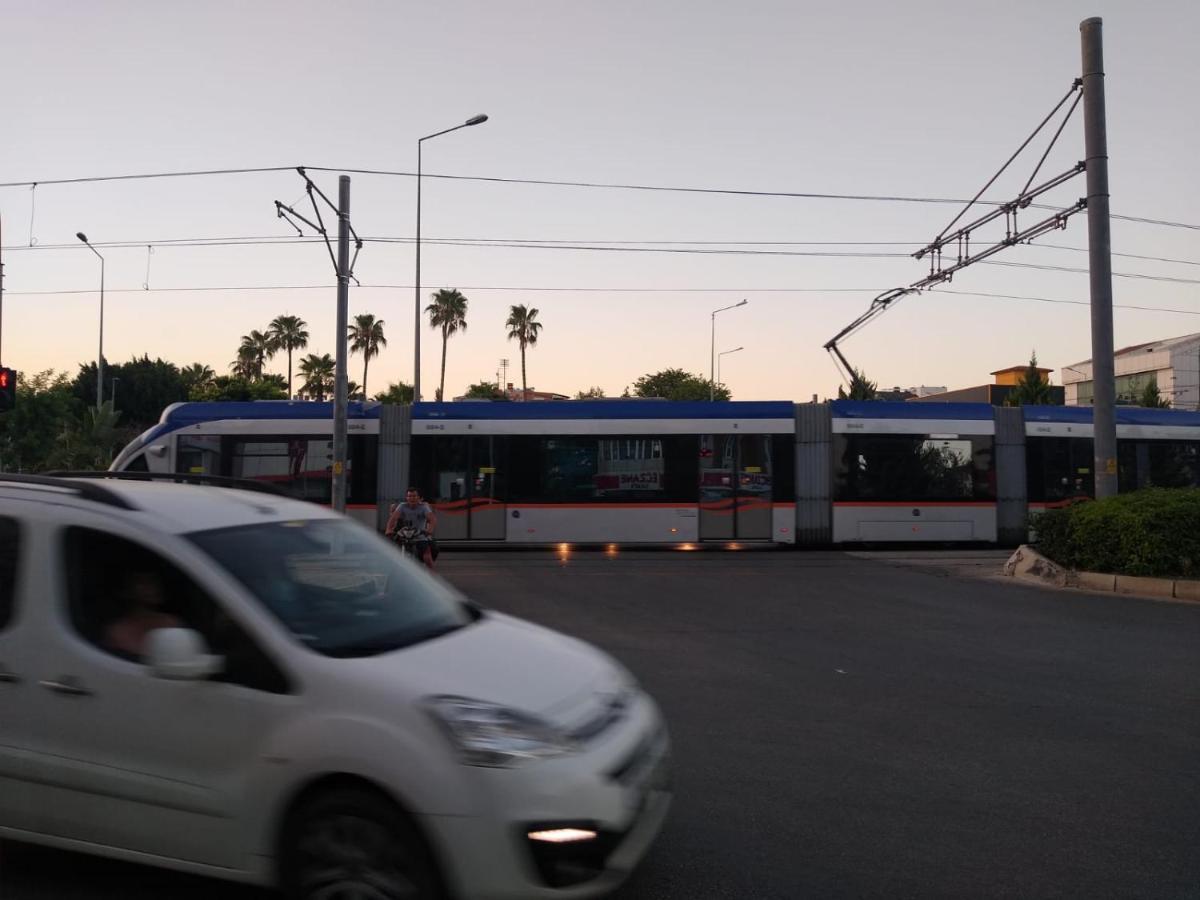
1153 532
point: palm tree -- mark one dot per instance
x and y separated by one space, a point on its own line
366 337
523 328
318 374
196 376
261 345
246 363
448 311
288 333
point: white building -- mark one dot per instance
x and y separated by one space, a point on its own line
1174 363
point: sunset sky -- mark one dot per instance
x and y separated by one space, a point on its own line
921 99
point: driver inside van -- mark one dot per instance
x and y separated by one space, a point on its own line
143 595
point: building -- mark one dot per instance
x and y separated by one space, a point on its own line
1174 363
1004 382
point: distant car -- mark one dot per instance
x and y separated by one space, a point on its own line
249 687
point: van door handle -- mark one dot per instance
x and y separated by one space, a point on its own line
7 677
67 684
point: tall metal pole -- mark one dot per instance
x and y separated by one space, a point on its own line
417 294
339 389
712 361
100 354
1099 259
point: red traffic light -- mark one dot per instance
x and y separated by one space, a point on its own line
8 388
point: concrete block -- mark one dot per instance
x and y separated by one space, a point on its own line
1147 587
1029 564
1095 581
1187 590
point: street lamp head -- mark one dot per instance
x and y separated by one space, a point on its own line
744 302
476 120
81 236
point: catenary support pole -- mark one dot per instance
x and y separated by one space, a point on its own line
1099 258
339 390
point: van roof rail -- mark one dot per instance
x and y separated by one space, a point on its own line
245 484
86 490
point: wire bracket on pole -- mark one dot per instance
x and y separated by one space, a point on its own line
289 215
32 212
960 239
149 254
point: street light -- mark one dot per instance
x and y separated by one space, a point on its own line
100 355
474 120
724 353
712 353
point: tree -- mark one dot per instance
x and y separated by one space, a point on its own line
483 390
46 409
1151 398
227 387
196 376
861 388
523 328
89 444
676 384
396 393
448 311
245 365
592 393
1032 388
366 337
144 388
258 346
318 373
288 333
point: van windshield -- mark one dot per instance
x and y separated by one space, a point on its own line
339 589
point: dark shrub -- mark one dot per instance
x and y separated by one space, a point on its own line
1152 532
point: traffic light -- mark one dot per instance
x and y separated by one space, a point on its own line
8 388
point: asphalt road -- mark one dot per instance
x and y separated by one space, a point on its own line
848 726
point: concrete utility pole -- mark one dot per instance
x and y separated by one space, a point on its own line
1095 138
1 290
339 389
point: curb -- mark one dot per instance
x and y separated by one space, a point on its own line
1029 565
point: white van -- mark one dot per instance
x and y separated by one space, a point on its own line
254 688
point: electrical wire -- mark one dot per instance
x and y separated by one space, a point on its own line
589 290
267 240
809 195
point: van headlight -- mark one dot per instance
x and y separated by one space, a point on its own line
488 734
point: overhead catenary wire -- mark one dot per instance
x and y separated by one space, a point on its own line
555 245
589 290
601 185
268 240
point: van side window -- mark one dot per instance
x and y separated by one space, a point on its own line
9 551
120 591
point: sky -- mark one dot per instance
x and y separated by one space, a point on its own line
919 99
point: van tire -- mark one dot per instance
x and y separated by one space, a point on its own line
349 838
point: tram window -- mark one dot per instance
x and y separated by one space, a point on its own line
1146 463
603 469
363 451
301 466
199 454
906 467
783 452
1058 469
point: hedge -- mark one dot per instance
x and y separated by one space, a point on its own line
1153 532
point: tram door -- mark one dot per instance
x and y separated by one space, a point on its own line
735 487
468 476
752 511
486 519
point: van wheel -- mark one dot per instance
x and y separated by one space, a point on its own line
352 844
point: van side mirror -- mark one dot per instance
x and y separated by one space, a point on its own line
180 654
